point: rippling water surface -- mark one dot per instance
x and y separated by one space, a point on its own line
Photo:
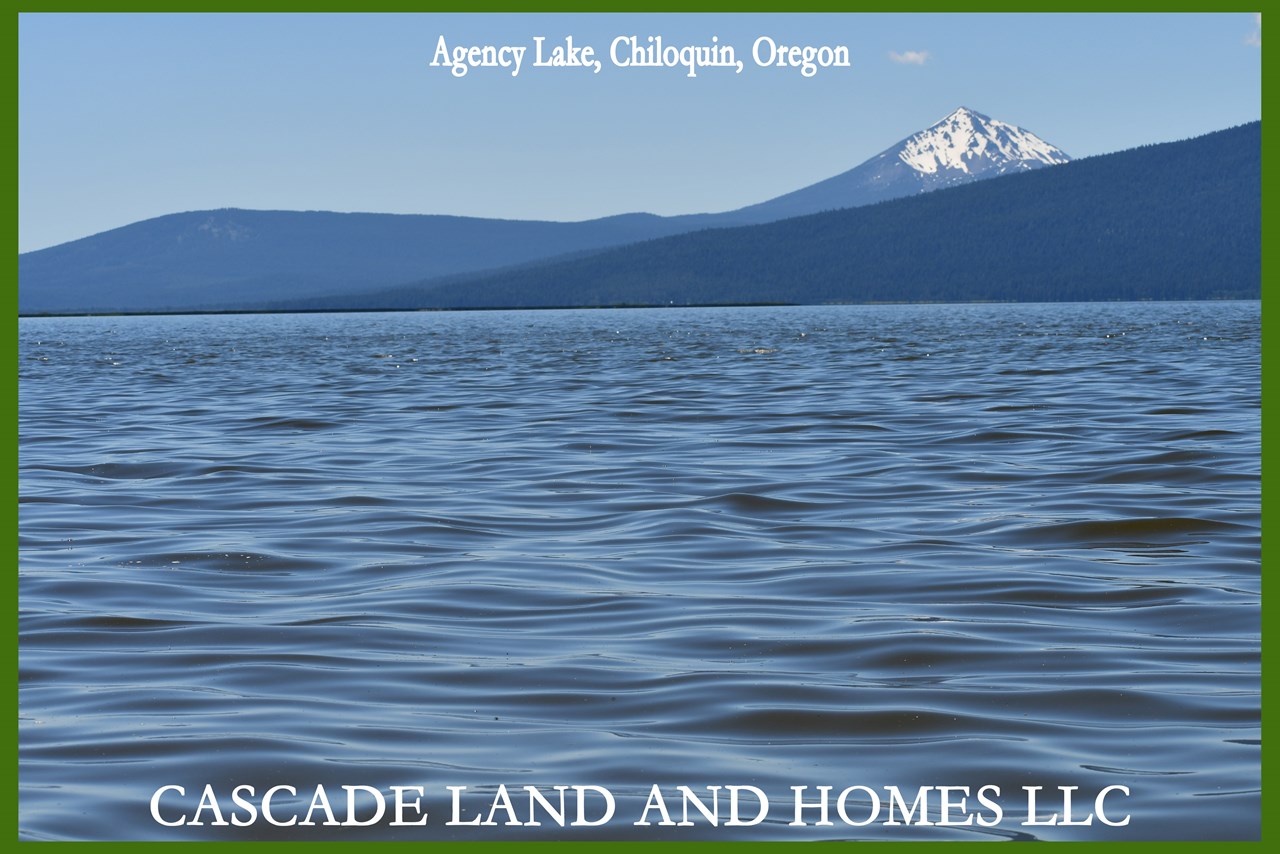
829 546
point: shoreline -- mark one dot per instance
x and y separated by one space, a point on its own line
236 311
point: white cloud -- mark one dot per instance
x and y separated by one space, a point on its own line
910 57
1255 38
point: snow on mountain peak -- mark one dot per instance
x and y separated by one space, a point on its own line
965 146
967 142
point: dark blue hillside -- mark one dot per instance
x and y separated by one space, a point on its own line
235 257
1178 220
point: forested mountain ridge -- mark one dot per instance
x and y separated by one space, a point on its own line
1170 221
1177 220
234 259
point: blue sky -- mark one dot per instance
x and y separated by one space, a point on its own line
125 117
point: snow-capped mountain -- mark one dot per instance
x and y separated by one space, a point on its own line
965 146
967 143
237 258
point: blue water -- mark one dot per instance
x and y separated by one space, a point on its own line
911 546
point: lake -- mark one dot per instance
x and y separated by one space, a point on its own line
882 549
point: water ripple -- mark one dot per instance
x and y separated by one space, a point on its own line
911 546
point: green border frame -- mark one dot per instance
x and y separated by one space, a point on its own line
9 295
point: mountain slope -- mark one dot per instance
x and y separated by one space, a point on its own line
1173 221
232 258
965 146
